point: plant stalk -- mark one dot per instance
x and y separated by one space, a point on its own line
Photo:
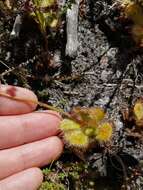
41 104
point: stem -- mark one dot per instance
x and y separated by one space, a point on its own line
41 104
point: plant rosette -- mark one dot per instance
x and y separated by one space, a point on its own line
133 10
82 136
138 113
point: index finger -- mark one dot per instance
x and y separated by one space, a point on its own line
13 107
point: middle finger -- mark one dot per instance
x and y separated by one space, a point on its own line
36 154
21 129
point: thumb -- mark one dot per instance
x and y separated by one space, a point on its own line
29 179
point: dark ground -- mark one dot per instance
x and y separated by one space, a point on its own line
107 72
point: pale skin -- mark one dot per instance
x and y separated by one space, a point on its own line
28 140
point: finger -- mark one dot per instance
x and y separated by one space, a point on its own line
21 129
35 154
29 179
13 107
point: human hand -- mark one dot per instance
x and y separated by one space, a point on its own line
27 140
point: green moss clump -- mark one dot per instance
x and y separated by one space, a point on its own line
51 186
53 180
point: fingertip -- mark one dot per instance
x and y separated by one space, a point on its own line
12 107
29 179
50 150
54 149
58 146
37 174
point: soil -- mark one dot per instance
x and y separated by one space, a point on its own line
106 72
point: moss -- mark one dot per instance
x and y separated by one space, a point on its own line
52 179
61 175
46 171
51 186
